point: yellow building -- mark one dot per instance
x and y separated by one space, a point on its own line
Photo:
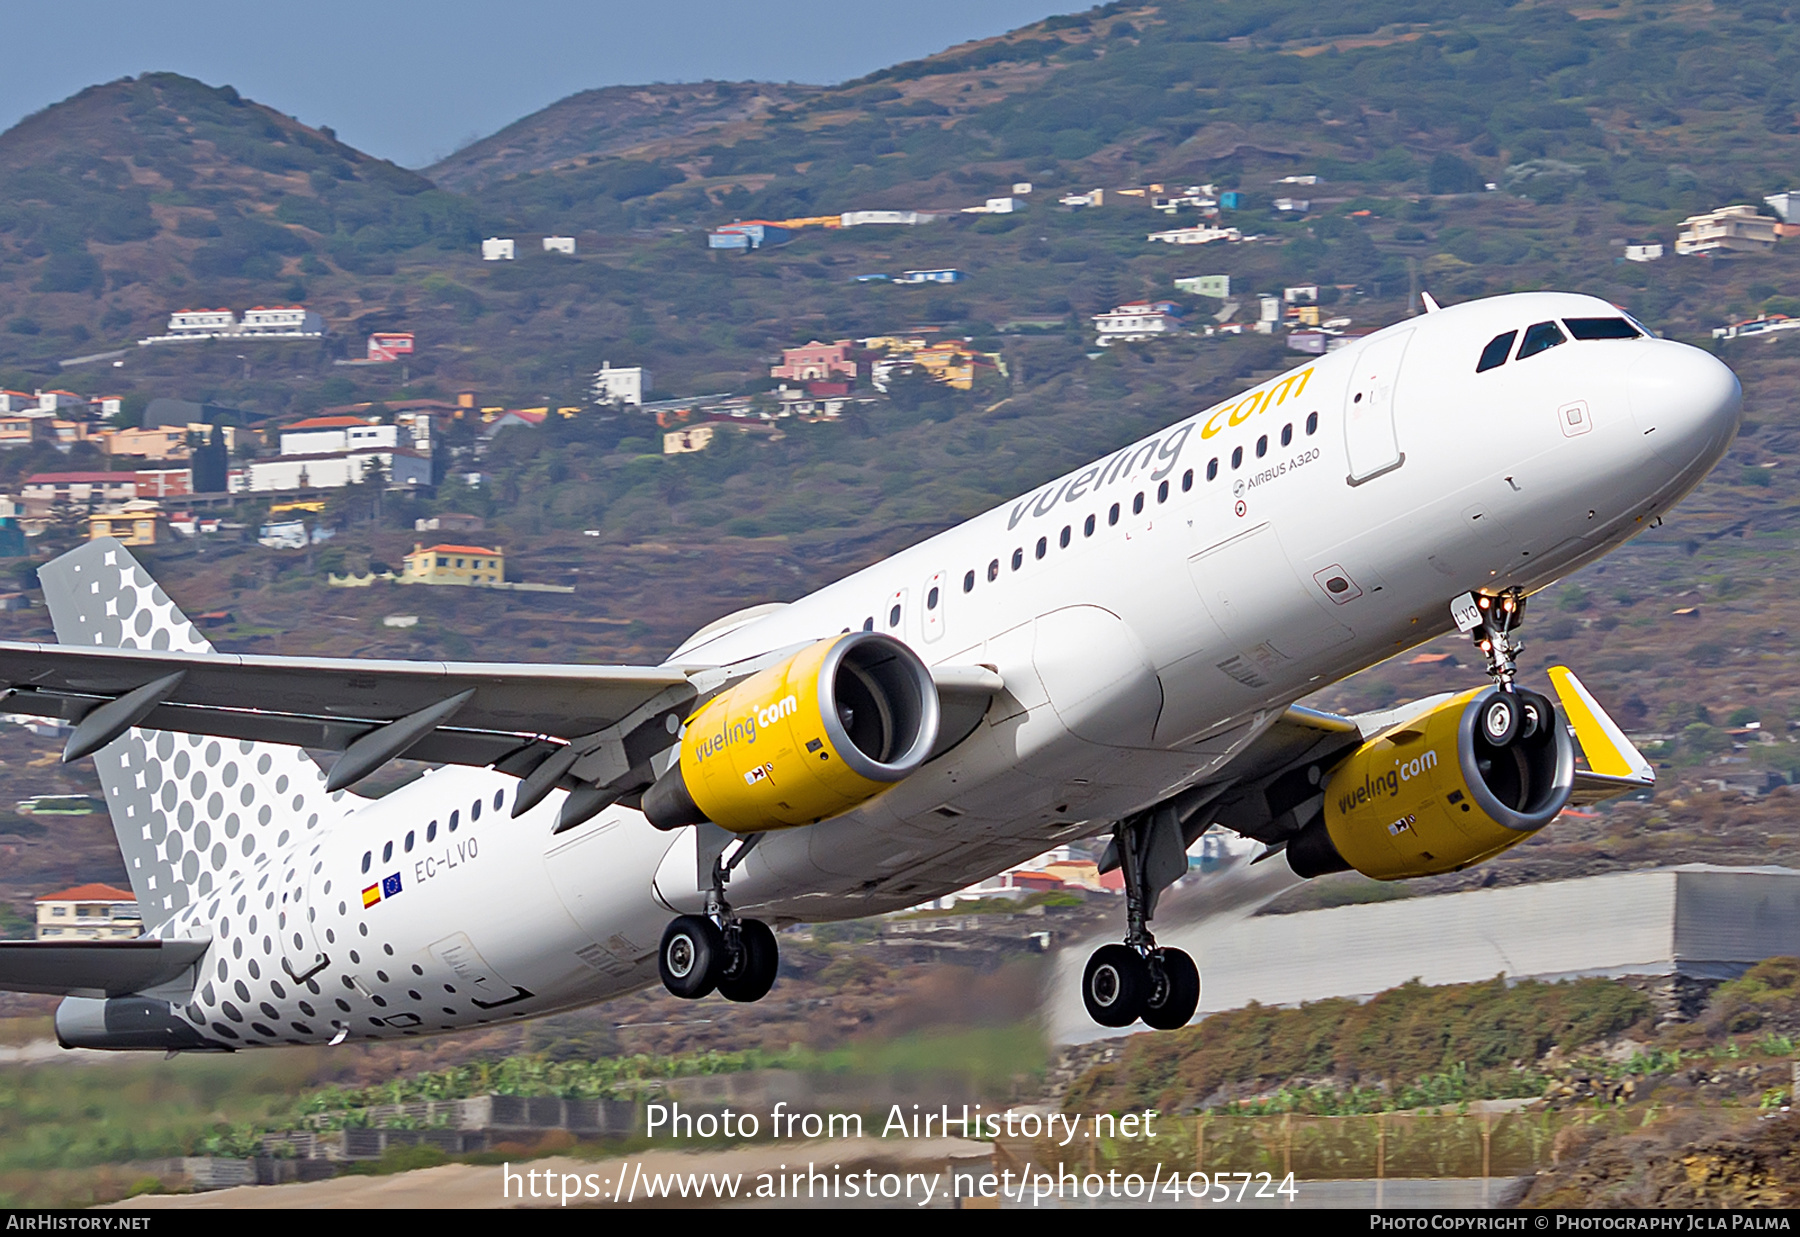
138 522
454 564
681 442
951 362
169 442
89 912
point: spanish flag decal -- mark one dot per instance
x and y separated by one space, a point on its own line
371 896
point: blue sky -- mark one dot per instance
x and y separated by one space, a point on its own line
411 82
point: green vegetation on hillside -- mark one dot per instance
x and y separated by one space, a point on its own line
1418 1045
1630 102
136 197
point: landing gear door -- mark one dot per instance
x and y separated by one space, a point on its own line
1370 440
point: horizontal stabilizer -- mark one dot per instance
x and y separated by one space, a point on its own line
95 968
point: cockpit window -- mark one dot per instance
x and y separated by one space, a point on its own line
1540 338
1494 355
1600 328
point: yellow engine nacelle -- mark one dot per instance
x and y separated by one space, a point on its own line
830 727
1436 794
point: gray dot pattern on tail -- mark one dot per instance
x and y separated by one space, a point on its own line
213 831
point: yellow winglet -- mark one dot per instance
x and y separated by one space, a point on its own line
1609 753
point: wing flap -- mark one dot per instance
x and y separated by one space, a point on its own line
95 968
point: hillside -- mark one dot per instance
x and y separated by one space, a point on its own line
1597 123
150 190
1652 107
614 120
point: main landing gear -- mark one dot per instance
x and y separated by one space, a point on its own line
718 949
1140 979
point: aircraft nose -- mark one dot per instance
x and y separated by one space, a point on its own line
1687 402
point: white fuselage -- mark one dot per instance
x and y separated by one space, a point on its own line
1141 651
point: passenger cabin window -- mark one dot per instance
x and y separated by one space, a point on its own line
1087 527
1112 517
1018 559
869 623
1137 503
993 571
894 617
1212 468
1062 540
1312 423
1237 457
1494 355
1187 481
387 852
931 598
969 580
1287 433
1043 546
1162 492
1541 337
1600 328
1262 446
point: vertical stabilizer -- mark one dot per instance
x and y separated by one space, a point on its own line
191 812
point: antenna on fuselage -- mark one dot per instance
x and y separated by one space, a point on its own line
1431 306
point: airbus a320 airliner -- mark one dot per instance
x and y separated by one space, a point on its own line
1118 652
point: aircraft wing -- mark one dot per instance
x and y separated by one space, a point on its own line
480 714
95 968
589 729
1272 792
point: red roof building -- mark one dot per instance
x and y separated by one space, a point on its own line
329 423
89 912
454 564
90 893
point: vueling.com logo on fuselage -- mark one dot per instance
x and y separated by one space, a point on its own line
1383 785
743 729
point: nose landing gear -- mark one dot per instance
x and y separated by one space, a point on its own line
719 950
1492 621
1140 979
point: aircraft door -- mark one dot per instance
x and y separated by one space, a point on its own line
935 601
1370 441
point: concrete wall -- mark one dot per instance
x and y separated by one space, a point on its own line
1695 921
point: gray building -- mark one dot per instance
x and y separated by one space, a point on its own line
1696 922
